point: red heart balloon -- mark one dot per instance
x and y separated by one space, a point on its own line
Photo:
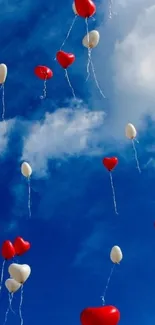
65 59
110 163
85 8
8 250
21 246
105 315
43 72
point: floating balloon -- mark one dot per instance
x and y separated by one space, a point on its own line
65 60
8 250
12 285
21 246
85 8
26 170
105 315
3 75
44 73
19 272
91 41
116 255
110 164
131 133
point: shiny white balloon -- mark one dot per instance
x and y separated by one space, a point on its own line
116 255
26 169
19 272
93 38
12 285
130 131
3 73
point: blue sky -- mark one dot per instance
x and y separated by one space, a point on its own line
73 224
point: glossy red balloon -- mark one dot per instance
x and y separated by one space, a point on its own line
21 246
85 8
65 59
8 250
105 315
110 163
43 72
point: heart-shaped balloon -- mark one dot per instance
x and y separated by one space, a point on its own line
85 8
65 59
3 73
110 163
19 272
43 72
8 250
21 246
105 315
12 285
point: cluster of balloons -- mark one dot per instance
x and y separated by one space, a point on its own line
84 9
19 273
18 247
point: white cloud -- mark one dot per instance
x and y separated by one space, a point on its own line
126 54
134 65
66 132
5 128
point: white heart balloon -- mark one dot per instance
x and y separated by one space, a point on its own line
19 272
116 255
12 285
130 131
26 169
3 73
92 39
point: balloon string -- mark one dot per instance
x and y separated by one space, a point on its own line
8 309
113 192
67 77
2 275
111 12
20 307
89 50
136 140
70 29
10 302
107 285
96 81
3 102
29 197
110 9
136 156
44 90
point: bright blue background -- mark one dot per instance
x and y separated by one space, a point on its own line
73 225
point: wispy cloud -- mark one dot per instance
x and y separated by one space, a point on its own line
127 48
5 128
66 132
